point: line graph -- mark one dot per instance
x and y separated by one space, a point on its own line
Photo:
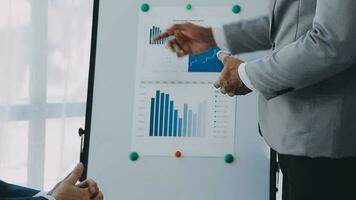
205 62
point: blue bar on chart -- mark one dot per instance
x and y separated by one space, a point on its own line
152 116
150 38
154 31
156 115
180 127
175 122
190 116
165 125
185 119
170 125
164 119
194 125
161 116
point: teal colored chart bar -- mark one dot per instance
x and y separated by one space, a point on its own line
170 124
180 127
194 125
155 131
190 120
166 111
152 115
185 119
151 36
154 33
175 123
161 115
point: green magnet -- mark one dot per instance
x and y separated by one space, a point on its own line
189 6
229 158
133 156
236 9
145 7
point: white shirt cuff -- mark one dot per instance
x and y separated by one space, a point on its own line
220 39
44 195
244 78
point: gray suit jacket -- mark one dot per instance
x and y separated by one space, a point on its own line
307 85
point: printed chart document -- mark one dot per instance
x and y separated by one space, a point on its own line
177 107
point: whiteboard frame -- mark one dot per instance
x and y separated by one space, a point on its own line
85 134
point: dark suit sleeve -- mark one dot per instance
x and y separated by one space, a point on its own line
14 192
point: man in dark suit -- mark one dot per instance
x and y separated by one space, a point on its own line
67 189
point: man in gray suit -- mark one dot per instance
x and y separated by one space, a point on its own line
307 87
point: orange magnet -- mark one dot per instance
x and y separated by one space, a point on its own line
178 154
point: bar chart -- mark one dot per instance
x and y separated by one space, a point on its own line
165 120
154 31
187 115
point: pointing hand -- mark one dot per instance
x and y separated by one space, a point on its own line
188 39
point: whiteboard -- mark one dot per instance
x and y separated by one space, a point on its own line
151 178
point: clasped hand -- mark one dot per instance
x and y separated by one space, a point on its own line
229 81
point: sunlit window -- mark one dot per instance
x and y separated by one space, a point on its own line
44 63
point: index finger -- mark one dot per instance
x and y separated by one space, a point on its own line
75 174
162 36
169 32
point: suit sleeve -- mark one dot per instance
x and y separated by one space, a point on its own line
248 35
327 49
14 192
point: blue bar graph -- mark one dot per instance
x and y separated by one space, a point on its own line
165 120
154 31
